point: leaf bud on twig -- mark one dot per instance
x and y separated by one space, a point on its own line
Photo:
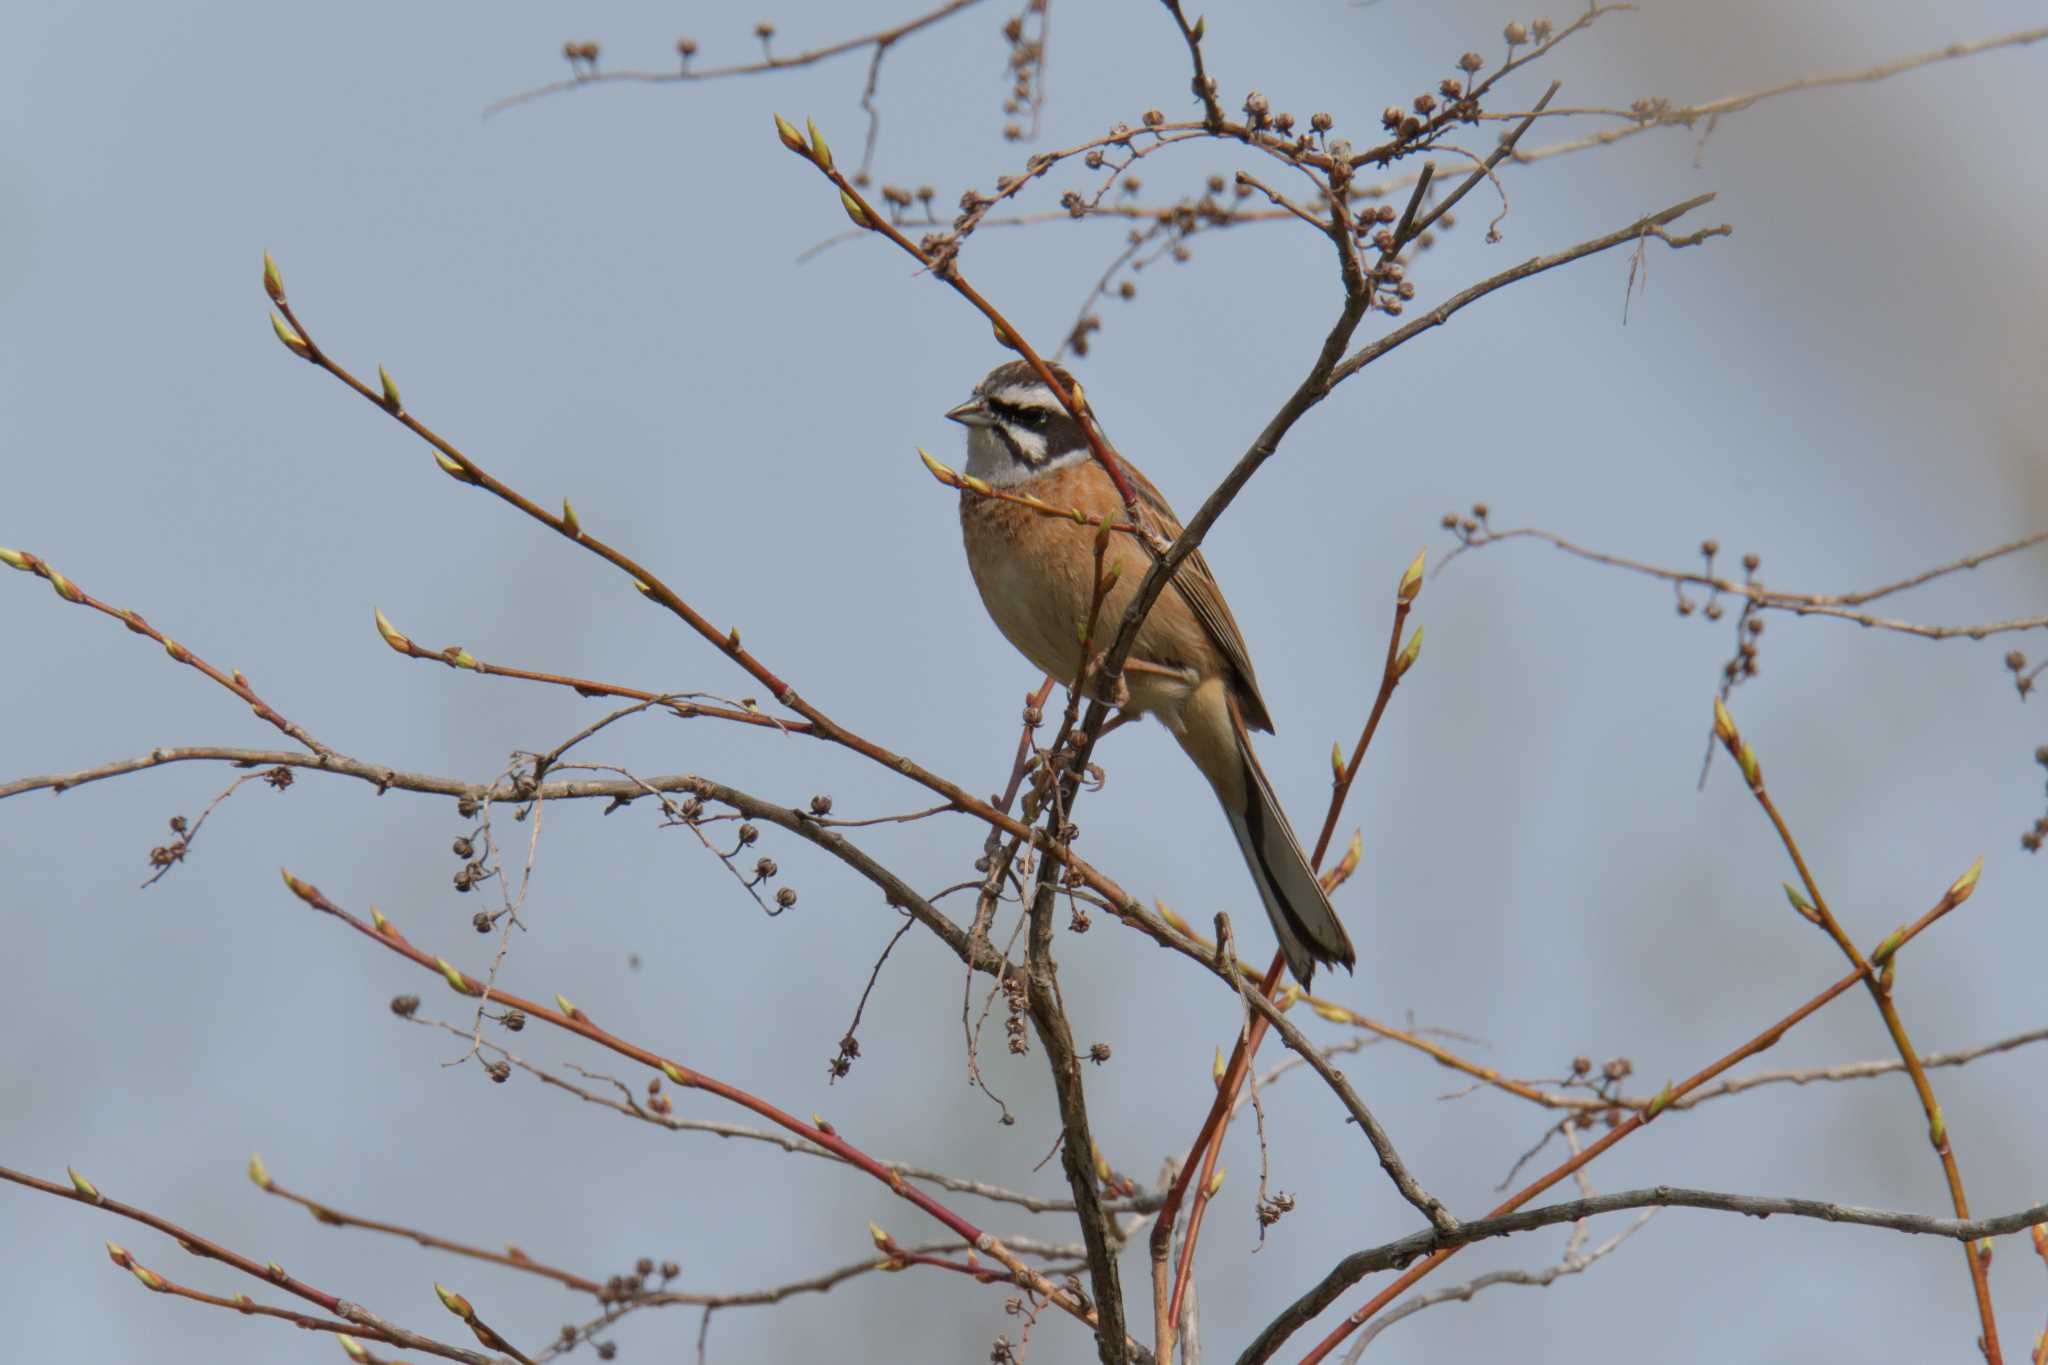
1799 903
1964 886
455 979
392 635
293 342
791 138
1409 654
1411 578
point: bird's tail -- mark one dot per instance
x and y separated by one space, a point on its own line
1215 737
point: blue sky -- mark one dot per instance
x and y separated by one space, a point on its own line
598 297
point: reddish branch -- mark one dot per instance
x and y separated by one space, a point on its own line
573 1020
1876 973
233 680
1313 1303
359 1319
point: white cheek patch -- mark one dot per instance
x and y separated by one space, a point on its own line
1030 445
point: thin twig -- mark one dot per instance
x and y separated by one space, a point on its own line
880 40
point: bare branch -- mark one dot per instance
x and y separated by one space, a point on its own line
1837 605
1401 1252
880 40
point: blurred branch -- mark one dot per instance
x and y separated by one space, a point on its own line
1660 113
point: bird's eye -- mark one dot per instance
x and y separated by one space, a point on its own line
1033 417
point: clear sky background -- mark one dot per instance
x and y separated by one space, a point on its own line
598 296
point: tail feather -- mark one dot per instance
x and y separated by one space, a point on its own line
1210 726
1307 926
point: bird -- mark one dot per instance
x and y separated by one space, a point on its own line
1189 665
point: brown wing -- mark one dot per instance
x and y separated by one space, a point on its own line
1197 587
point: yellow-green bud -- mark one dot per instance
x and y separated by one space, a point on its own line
83 1186
854 211
273 283
293 342
1799 903
569 523
1409 654
820 153
258 1175
1962 887
1411 580
1724 724
455 979
392 635
390 387
791 138
15 559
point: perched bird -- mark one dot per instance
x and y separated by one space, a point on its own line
1188 666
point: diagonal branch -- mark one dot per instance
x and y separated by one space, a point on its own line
1403 1251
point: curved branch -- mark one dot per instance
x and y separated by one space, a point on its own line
1393 1255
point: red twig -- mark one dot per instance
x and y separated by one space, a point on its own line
233 680
1270 1342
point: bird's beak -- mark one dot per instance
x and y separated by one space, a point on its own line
972 413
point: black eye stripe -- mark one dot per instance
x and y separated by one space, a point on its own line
1010 412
